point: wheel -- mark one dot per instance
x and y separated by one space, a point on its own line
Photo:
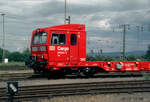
88 72
35 71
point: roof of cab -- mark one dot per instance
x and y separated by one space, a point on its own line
69 27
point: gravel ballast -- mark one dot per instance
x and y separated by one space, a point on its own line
66 81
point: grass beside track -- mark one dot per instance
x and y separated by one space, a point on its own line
15 71
12 64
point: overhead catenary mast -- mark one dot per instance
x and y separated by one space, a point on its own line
138 37
124 27
65 12
3 54
66 20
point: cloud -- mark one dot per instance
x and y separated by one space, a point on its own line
104 24
100 17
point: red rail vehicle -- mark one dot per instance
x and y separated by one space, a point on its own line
62 49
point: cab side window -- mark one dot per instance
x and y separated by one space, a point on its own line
54 40
58 39
73 39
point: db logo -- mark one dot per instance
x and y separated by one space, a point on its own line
52 48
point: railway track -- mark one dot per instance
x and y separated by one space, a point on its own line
32 76
30 92
15 76
26 76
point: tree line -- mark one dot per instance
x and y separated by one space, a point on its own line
15 56
24 56
145 57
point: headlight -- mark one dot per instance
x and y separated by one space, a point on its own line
42 56
42 48
34 49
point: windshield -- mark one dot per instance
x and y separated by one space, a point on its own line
39 38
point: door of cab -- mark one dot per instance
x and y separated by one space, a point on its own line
74 45
59 49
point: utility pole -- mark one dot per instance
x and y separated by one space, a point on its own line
68 19
3 44
149 27
99 52
65 11
125 27
138 35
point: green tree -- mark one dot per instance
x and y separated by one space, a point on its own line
109 58
26 53
16 56
1 51
1 54
147 56
131 58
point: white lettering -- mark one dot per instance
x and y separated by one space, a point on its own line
62 48
82 59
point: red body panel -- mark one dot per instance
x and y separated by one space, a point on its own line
71 55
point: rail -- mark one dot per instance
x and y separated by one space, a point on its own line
29 92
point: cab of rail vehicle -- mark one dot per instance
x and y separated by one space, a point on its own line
56 46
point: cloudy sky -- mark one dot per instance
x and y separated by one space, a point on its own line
102 19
